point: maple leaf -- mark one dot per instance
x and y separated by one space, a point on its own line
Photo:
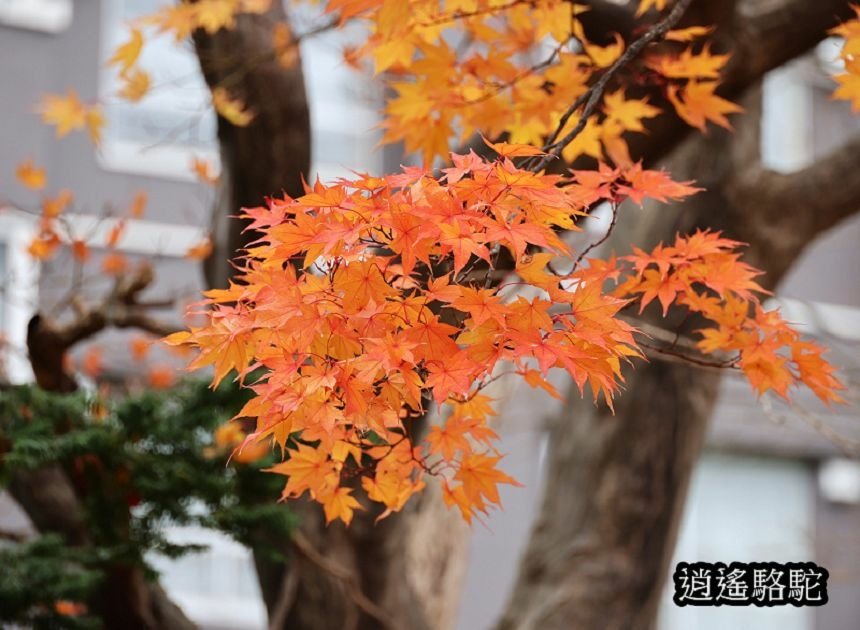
339 504
604 56
67 112
203 169
125 56
512 150
200 251
30 175
135 85
309 469
52 207
849 83
766 370
161 377
92 363
449 440
689 65
232 110
80 250
138 204
44 245
696 103
654 184
213 15
179 19
647 5
114 264
480 478
94 122
451 377
688 34
139 347
480 304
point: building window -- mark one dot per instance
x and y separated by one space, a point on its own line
158 135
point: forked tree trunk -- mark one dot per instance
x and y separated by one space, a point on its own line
399 573
600 552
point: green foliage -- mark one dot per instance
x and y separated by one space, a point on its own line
137 463
39 573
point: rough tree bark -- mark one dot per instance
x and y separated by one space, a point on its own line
368 576
616 485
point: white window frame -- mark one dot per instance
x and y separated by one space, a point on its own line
21 292
167 161
46 16
352 119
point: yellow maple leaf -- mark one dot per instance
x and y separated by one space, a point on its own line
135 85
689 65
849 84
696 103
53 206
95 122
392 53
66 112
199 251
213 15
233 110
646 5
688 34
604 56
340 504
30 175
126 55
178 19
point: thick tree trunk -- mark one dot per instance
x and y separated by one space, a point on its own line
398 573
599 553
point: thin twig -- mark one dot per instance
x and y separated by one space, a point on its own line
602 239
591 99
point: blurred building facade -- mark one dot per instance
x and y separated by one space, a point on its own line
774 483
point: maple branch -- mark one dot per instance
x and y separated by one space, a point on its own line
682 357
592 98
601 240
306 548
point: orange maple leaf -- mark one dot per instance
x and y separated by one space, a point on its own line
696 103
30 175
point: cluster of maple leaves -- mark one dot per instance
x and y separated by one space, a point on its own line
366 299
849 78
371 303
512 66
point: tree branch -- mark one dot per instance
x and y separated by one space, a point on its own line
819 196
592 98
304 546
